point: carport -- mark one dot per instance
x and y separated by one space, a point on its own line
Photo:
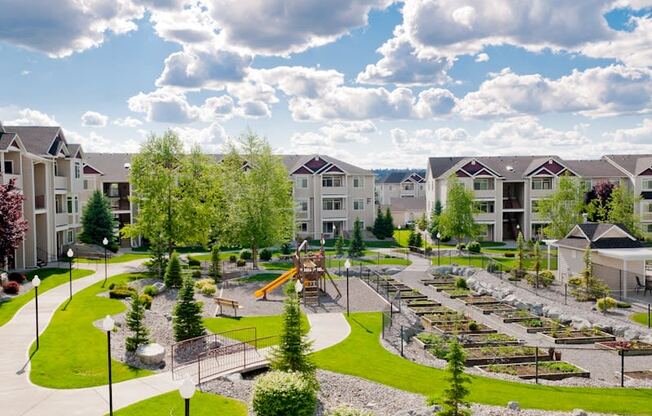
628 256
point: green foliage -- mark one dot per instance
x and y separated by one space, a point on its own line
620 208
265 254
379 226
454 403
283 394
339 245
241 263
388 223
135 317
158 261
97 221
206 286
286 248
215 268
245 254
563 208
605 304
187 319
173 272
457 219
474 247
146 300
196 274
434 228
150 290
193 262
460 283
122 291
422 222
356 247
520 250
233 258
546 278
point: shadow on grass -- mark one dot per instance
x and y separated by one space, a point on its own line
29 359
361 325
65 306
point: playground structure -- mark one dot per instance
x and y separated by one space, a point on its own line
310 272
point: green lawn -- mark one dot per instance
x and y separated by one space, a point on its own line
201 404
121 258
50 278
72 353
362 355
480 261
639 318
266 326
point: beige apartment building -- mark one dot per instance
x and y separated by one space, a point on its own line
404 193
48 170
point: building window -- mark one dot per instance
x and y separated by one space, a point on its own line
76 205
331 181
646 184
358 182
56 169
302 206
9 167
302 182
69 205
77 170
648 228
70 237
483 232
331 227
113 190
358 204
485 207
409 186
541 183
585 185
302 227
332 204
483 184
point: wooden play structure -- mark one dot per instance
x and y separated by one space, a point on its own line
309 270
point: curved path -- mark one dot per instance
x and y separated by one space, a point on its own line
19 397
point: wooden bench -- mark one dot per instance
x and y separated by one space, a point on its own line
221 302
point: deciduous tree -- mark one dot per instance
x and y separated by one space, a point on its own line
620 209
563 208
457 219
434 228
12 224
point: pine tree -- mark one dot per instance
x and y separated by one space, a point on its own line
215 269
433 229
158 260
536 255
98 221
356 247
454 396
187 320
173 272
418 240
412 239
520 248
135 318
339 245
379 224
389 224
12 224
293 351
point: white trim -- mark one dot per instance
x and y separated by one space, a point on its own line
581 231
619 229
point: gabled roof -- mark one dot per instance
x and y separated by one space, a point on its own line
6 140
111 165
599 236
633 164
507 167
39 140
403 175
76 151
596 168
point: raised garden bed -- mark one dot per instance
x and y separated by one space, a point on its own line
628 348
427 310
463 327
481 300
455 293
430 320
584 336
406 296
505 354
483 340
639 375
422 302
515 316
429 282
535 325
493 308
548 370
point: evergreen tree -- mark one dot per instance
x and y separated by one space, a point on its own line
293 351
379 225
422 222
455 403
135 318
173 272
187 321
536 256
12 224
418 240
339 245
215 268
412 239
433 229
356 247
389 224
98 221
520 251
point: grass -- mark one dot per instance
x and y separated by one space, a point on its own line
401 237
481 261
50 278
201 404
73 351
266 325
121 258
330 242
362 355
639 318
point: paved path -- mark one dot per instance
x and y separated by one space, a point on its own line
19 397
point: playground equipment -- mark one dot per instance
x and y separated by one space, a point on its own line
310 270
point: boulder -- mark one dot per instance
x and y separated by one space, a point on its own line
235 377
160 287
580 323
632 334
150 354
604 327
565 319
424 411
553 313
514 406
619 330
578 412
536 308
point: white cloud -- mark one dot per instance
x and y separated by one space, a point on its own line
95 142
60 28
641 134
164 105
26 117
300 81
332 135
184 25
128 122
94 119
481 57
210 138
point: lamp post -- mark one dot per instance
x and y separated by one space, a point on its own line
347 266
70 254
107 325
187 390
36 282
438 253
399 234
105 242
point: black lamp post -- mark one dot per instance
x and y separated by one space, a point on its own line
438 253
36 282
347 266
187 390
105 243
107 325
70 254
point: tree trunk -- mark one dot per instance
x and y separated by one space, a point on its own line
254 257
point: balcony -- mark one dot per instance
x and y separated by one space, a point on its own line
61 183
334 213
301 215
61 219
19 179
120 204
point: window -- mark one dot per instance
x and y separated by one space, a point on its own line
358 204
483 232
113 190
71 237
85 184
69 205
483 184
302 206
331 227
302 182
646 184
409 186
358 182
648 228
485 207
331 181
77 170
76 205
56 169
541 183
390 187
302 227
332 204
9 167
585 185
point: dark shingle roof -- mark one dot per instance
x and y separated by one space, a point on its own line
6 139
439 165
509 167
400 176
634 164
36 139
593 231
596 168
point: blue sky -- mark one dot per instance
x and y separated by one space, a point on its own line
374 82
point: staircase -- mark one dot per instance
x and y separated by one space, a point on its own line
311 293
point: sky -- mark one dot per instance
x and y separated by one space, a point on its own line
377 83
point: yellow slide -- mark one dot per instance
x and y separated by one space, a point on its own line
276 282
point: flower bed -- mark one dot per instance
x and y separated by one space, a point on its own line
628 348
535 325
583 336
463 327
504 354
444 316
481 300
515 316
494 308
483 340
548 370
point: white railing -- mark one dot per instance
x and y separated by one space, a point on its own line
61 182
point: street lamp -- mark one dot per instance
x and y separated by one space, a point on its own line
36 282
70 254
186 391
347 266
107 325
105 243
438 254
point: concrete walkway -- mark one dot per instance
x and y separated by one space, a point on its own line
19 397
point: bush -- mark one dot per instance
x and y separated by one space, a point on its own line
206 286
546 277
11 288
348 411
460 246
241 263
265 254
604 304
122 292
233 258
111 286
196 274
509 254
193 262
460 283
473 326
172 276
474 247
286 249
623 305
146 300
279 394
245 255
575 281
150 290
16 277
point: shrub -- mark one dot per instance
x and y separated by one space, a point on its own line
206 286
172 276
623 305
348 411
245 254
460 246
150 290
509 254
196 274
122 292
233 258
146 300
11 288
460 283
474 247
193 262
279 394
575 281
16 277
286 249
473 326
241 263
135 317
606 303
215 269
546 277
111 286
265 254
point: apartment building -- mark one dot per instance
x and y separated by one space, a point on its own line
48 170
507 188
404 193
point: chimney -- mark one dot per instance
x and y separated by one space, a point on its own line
585 218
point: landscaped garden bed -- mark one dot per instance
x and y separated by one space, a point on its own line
443 316
457 293
412 295
426 310
582 336
515 316
535 325
494 308
481 300
463 327
504 354
628 348
548 370
422 303
483 340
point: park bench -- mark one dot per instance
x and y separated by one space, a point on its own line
224 302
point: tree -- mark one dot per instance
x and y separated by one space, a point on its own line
520 251
215 268
356 246
596 201
187 321
389 224
293 351
412 239
98 221
456 219
536 255
135 318
158 261
379 225
261 207
433 229
563 208
422 222
339 245
173 272
455 394
620 209
12 224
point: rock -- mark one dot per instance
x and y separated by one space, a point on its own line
619 330
580 323
553 313
514 406
537 309
160 287
565 319
424 411
578 412
151 354
235 377
604 327
647 338
393 270
632 334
